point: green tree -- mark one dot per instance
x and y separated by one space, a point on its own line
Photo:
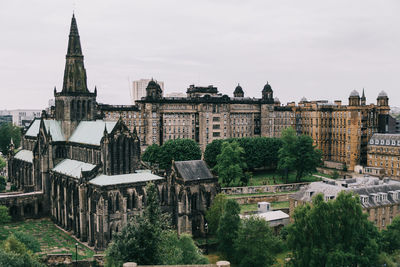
214 213
228 229
14 253
4 215
333 233
28 240
307 157
230 164
390 241
7 132
213 149
178 150
2 162
287 153
255 244
151 154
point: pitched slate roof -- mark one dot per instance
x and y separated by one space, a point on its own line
385 139
24 155
91 132
52 126
104 180
72 168
193 170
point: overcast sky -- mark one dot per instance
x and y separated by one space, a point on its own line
317 49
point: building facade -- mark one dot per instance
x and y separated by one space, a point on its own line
384 155
88 171
379 198
22 117
341 131
139 89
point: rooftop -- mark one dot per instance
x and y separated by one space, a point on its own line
193 170
73 168
105 180
24 155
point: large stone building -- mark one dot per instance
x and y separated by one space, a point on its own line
379 198
88 172
384 155
340 131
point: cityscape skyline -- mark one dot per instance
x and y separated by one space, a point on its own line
219 43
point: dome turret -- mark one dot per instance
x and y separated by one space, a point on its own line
238 91
268 94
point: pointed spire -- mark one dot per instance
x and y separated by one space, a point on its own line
75 73
363 94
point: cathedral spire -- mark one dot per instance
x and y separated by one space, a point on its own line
74 73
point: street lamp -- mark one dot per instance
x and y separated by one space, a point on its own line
206 229
76 254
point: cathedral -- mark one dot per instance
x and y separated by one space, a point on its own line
89 170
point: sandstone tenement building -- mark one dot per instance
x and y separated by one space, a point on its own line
86 173
379 198
384 155
341 131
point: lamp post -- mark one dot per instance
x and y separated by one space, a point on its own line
206 228
76 254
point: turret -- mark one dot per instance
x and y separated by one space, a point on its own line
268 94
238 91
354 98
383 99
153 90
363 99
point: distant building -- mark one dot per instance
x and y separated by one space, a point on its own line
384 155
275 218
5 119
22 117
379 198
139 89
341 131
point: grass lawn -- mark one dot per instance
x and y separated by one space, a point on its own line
51 239
270 178
274 205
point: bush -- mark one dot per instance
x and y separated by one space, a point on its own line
29 241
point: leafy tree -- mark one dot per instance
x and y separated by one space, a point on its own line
333 233
7 132
297 154
14 253
151 154
391 237
4 215
287 153
214 213
255 244
307 157
29 241
228 229
213 149
259 151
178 150
179 250
2 162
230 163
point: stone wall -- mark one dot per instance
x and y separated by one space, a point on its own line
334 165
262 189
67 260
256 198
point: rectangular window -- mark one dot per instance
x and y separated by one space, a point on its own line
216 126
215 118
217 134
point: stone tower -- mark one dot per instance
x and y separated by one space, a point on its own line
74 103
153 90
268 94
354 98
238 91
